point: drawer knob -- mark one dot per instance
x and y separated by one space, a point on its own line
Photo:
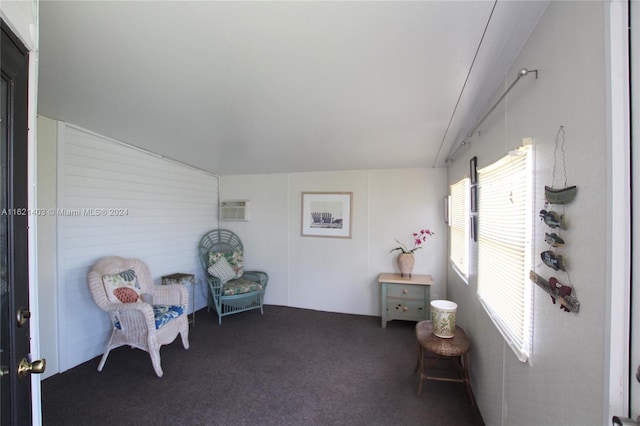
405 291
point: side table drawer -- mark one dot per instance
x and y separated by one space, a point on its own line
405 291
406 309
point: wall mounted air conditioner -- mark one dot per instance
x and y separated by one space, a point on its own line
237 210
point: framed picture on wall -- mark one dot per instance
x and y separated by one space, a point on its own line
473 170
326 214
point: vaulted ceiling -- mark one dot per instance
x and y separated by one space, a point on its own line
242 87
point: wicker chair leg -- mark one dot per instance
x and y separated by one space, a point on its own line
184 334
155 360
107 349
219 309
104 358
154 353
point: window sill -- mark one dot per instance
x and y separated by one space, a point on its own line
463 277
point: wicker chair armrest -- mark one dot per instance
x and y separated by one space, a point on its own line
257 276
134 316
170 294
215 285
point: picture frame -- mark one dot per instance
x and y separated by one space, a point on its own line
326 214
473 170
474 199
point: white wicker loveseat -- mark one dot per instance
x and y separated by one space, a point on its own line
119 286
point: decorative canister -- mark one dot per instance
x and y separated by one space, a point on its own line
405 263
443 318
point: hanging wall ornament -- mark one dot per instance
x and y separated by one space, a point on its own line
553 239
553 260
564 194
565 294
559 290
555 221
560 196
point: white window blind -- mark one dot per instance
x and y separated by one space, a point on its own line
504 257
459 230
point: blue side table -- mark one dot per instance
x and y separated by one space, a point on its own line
405 298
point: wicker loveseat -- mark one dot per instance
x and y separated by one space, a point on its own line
144 315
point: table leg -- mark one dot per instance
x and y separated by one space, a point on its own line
193 301
465 375
421 368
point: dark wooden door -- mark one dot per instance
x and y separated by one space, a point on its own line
15 388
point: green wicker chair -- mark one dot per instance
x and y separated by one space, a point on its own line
231 288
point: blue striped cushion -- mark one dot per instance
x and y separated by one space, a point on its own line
162 314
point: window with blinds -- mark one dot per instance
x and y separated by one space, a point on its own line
504 255
459 226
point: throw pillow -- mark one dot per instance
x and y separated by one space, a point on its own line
235 259
122 287
222 270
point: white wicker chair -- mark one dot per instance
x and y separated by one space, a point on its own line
134 324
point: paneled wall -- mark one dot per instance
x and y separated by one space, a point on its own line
338 274
117 200
566 378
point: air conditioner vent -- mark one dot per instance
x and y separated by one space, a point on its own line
234 210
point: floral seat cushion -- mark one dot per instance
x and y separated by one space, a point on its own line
162 314
240 286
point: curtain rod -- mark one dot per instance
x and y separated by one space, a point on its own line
522 73
452 155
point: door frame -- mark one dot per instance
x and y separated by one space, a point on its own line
36 406
619 213
15 68
634 342
22 18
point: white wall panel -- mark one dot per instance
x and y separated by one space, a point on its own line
337 274
114 199
46 244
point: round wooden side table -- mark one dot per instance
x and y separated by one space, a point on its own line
443 359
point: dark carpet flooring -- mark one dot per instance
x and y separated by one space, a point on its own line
287 367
